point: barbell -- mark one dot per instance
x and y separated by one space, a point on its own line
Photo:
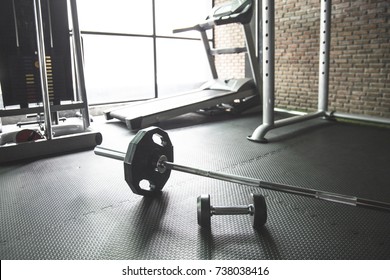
149 158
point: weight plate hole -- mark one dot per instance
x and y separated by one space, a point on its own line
159 140
146 185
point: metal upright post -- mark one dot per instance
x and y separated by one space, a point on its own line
42 68
268 24
323 78
269 61
79 64
16 24
268 72
210 58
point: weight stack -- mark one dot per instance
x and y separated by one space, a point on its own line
19 67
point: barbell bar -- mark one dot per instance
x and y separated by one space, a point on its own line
143 148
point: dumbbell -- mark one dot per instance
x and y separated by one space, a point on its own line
149 158
257 211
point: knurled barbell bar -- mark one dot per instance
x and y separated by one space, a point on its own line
150 157
257 210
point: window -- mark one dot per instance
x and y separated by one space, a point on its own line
126 47
118 68
181 66
116 16
172 14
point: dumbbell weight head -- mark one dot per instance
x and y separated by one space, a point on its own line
259 217
204 210
257 210
143 152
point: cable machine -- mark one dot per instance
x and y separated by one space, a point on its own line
41 66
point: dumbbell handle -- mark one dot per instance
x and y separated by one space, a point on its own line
232 210
328 196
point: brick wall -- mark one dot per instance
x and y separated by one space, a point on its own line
229 36
296 53
359 59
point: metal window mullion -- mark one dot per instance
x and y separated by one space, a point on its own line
154 36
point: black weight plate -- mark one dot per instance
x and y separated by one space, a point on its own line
140 161
259 218
203 206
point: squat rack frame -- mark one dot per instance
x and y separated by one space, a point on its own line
268 61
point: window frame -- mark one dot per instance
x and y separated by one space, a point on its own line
154 38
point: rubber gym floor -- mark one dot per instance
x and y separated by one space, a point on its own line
78 206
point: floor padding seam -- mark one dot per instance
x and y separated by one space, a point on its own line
65 222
